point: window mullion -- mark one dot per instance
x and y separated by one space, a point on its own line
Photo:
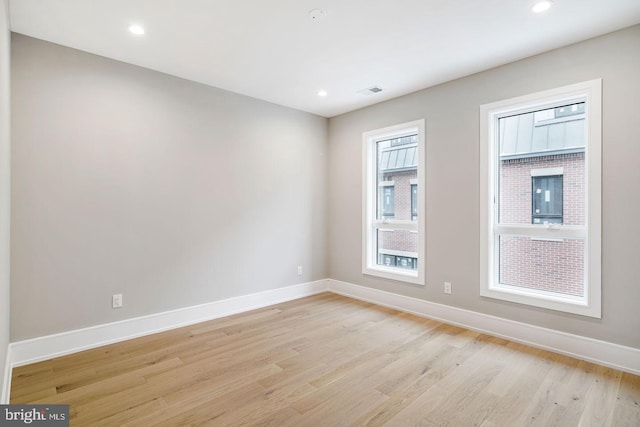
396 225
542 232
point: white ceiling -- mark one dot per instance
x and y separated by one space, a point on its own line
272 50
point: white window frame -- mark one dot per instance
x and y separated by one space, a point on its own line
490 229
370 224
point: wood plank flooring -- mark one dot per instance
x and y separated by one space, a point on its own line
328 360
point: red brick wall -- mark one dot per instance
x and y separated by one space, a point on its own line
405 241
515 187
398 240
544 265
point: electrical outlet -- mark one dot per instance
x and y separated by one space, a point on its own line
116 301
447 287
299 270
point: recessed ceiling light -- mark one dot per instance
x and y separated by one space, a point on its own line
136 29
541 6
322 93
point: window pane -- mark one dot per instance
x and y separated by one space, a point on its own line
551 139
397 165
414 202
546 265
547 199
397 248
387 201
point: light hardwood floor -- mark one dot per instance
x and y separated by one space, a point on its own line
327 360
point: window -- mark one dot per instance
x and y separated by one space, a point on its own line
393 232
387 199
406 262
540 196
414 201
546 195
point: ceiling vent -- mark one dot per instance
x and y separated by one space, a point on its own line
370 90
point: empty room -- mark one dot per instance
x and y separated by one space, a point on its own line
319 213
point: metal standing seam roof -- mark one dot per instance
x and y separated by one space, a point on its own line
521 136
399 158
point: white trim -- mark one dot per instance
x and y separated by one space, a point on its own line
5 182
386 183
398 253
490 230
6 385
47 347
370 224
392 225
547 172
542 231
604 353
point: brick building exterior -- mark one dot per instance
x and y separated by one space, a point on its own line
397 200
399 247
555 266
542 181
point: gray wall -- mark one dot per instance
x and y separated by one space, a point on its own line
173 193
451 111
5 186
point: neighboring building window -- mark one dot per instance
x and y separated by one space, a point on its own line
386 199
540 215
414 202
393 236
406 262
387 260
546 199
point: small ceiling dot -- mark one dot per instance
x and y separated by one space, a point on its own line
317 14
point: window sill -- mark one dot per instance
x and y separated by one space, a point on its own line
408 276
542 299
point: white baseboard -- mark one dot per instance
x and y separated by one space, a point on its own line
601 352
50 346
6 383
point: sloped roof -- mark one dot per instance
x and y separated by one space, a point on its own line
522 136
398 159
